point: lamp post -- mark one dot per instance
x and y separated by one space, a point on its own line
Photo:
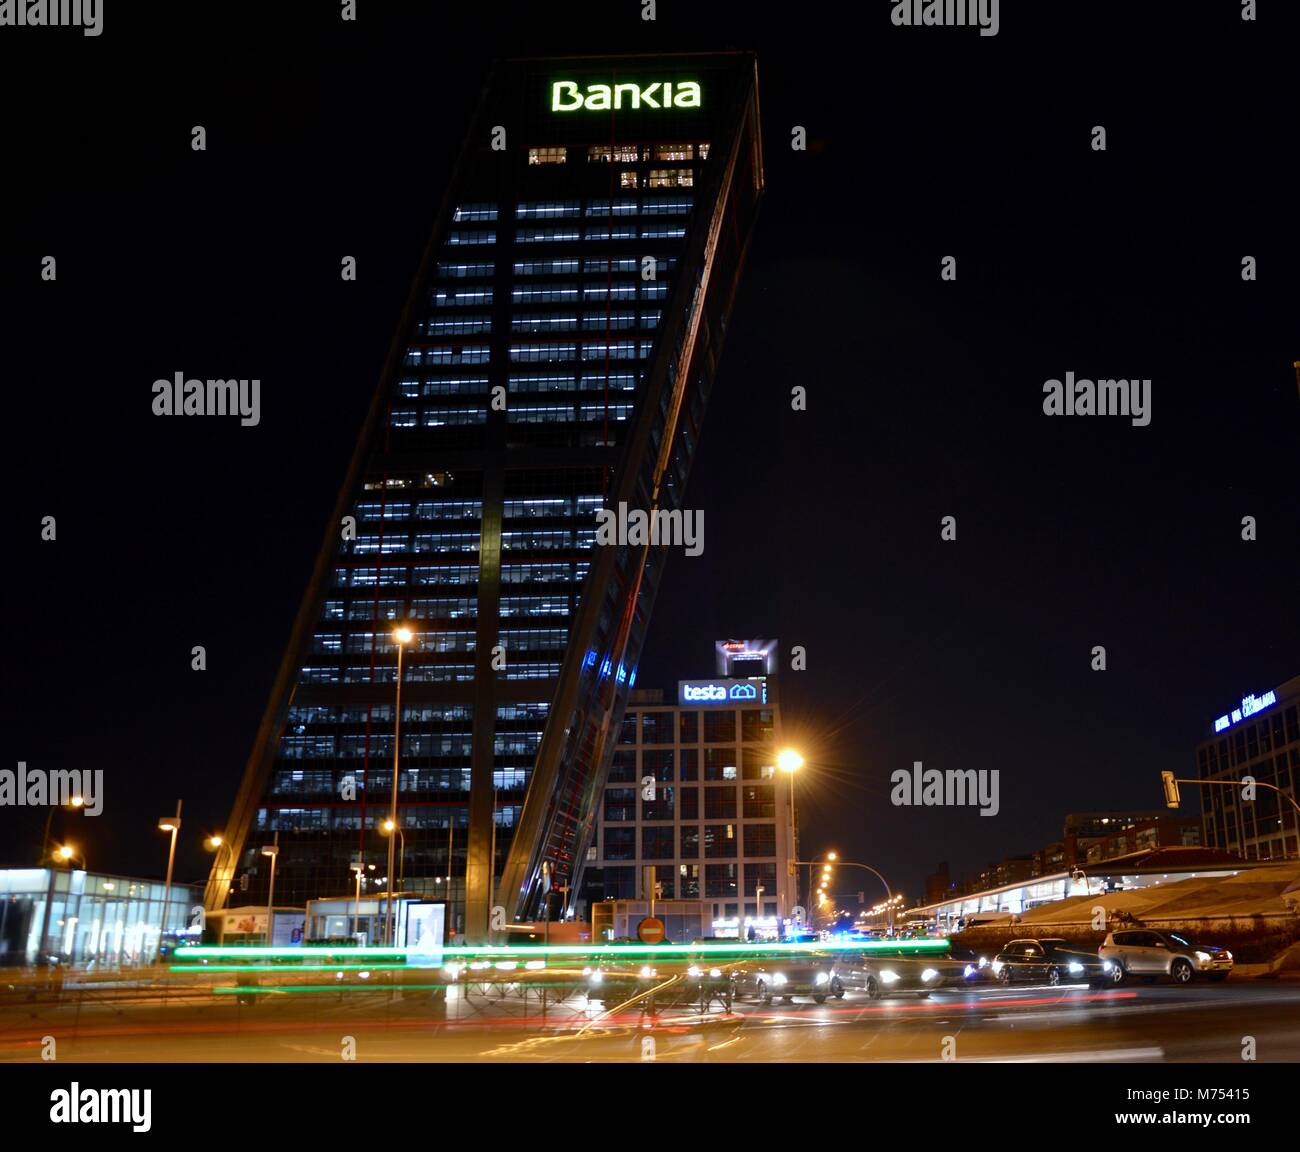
272 850
389 828
403 638
866 868
170 824
217 843
66 853
789 761
826 869
360 870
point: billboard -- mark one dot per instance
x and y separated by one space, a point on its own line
728 693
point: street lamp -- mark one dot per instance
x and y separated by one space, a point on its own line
388 828
360 870
403 637
67 853
273 851
866 868
170 824
789 761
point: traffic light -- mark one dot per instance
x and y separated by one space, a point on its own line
1172 798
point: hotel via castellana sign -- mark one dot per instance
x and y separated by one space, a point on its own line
565 96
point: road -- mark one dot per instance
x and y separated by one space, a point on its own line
1133 1023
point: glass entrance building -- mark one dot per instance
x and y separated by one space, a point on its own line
554 359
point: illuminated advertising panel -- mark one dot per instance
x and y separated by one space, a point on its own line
1249 706
721 693
568 96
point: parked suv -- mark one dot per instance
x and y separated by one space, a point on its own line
1146 952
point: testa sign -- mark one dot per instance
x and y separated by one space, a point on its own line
566 96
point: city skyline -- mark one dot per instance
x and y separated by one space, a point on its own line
924 401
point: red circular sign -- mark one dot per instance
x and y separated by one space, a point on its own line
650 930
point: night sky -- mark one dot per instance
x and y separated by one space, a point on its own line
822 528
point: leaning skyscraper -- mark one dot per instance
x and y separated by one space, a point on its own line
555 358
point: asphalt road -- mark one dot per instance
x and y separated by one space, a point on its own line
1134 1023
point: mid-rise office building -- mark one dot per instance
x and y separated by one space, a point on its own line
554 360
1260 738
693 802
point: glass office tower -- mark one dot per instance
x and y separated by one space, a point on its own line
554 359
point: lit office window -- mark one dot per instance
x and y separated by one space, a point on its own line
547 155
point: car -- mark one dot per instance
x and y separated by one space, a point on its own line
960 966
700 984
614 980
1050 960
785 977
1149 953
885 973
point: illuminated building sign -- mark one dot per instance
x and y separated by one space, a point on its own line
1249 706
722 693
566 97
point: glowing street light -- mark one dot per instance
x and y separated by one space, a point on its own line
403 636
170 824
273 851
789 761
388 828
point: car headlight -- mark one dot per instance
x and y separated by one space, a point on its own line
1203 957
997 967
647 972
1106 965
715 972
929 974
889 976
694 970
1075 967
968 971
1227 954
823 977
597 976
451 971
984 961
778 979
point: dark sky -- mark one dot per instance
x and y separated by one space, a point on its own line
822 528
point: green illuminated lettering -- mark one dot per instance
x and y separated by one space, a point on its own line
688 94
572 90
567 97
